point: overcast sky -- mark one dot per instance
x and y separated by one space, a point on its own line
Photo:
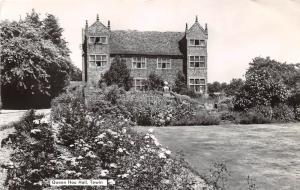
239 30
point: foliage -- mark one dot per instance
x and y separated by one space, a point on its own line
283 113
234 87
34 154
297 113
105 146
199 118
113 93
76 74
268 82
33 66
214 87
180 85
118 74
218 176
154 82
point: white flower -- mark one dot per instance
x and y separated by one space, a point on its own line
79 157
168 152
36 121
124 130
142 157
34 131
161 155
138 165
78 174
113 165
121 150
90 154
101 135
124 175
150 130
111 182
131 142
104 172
70 172
45 119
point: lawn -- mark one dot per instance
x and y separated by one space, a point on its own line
269 154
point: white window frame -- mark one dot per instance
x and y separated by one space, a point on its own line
135 62
195 84
141 85
162 61
105 61
201 62
201 43
91 42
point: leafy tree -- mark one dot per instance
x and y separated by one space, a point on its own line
34 67
180 86
268 82
53 32
154 81
118 74
33 19
214 87
76 74
234 87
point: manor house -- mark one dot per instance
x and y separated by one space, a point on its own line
165 53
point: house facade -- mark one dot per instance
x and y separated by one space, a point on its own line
164 53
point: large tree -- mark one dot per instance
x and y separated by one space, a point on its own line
34 67
268 82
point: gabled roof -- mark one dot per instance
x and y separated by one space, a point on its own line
97 27
146 43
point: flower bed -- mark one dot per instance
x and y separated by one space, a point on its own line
81 144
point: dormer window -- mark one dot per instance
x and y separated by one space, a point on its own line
98 40
197 42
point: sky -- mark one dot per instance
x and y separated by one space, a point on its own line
238 30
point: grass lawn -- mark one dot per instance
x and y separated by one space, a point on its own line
269 154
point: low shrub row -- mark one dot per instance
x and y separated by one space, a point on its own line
281 113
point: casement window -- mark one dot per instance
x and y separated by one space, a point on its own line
98 60
197 84
98 39
163 63
197 42
139 63
197 61
139 83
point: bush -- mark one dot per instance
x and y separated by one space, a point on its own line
297 113
154 82
200 118
256 115
118 74
283 113
34 154
251 118
113 93
105 146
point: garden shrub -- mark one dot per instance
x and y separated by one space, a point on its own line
199 118
297 113
33 159
105 146
251 117
113 93
283 113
